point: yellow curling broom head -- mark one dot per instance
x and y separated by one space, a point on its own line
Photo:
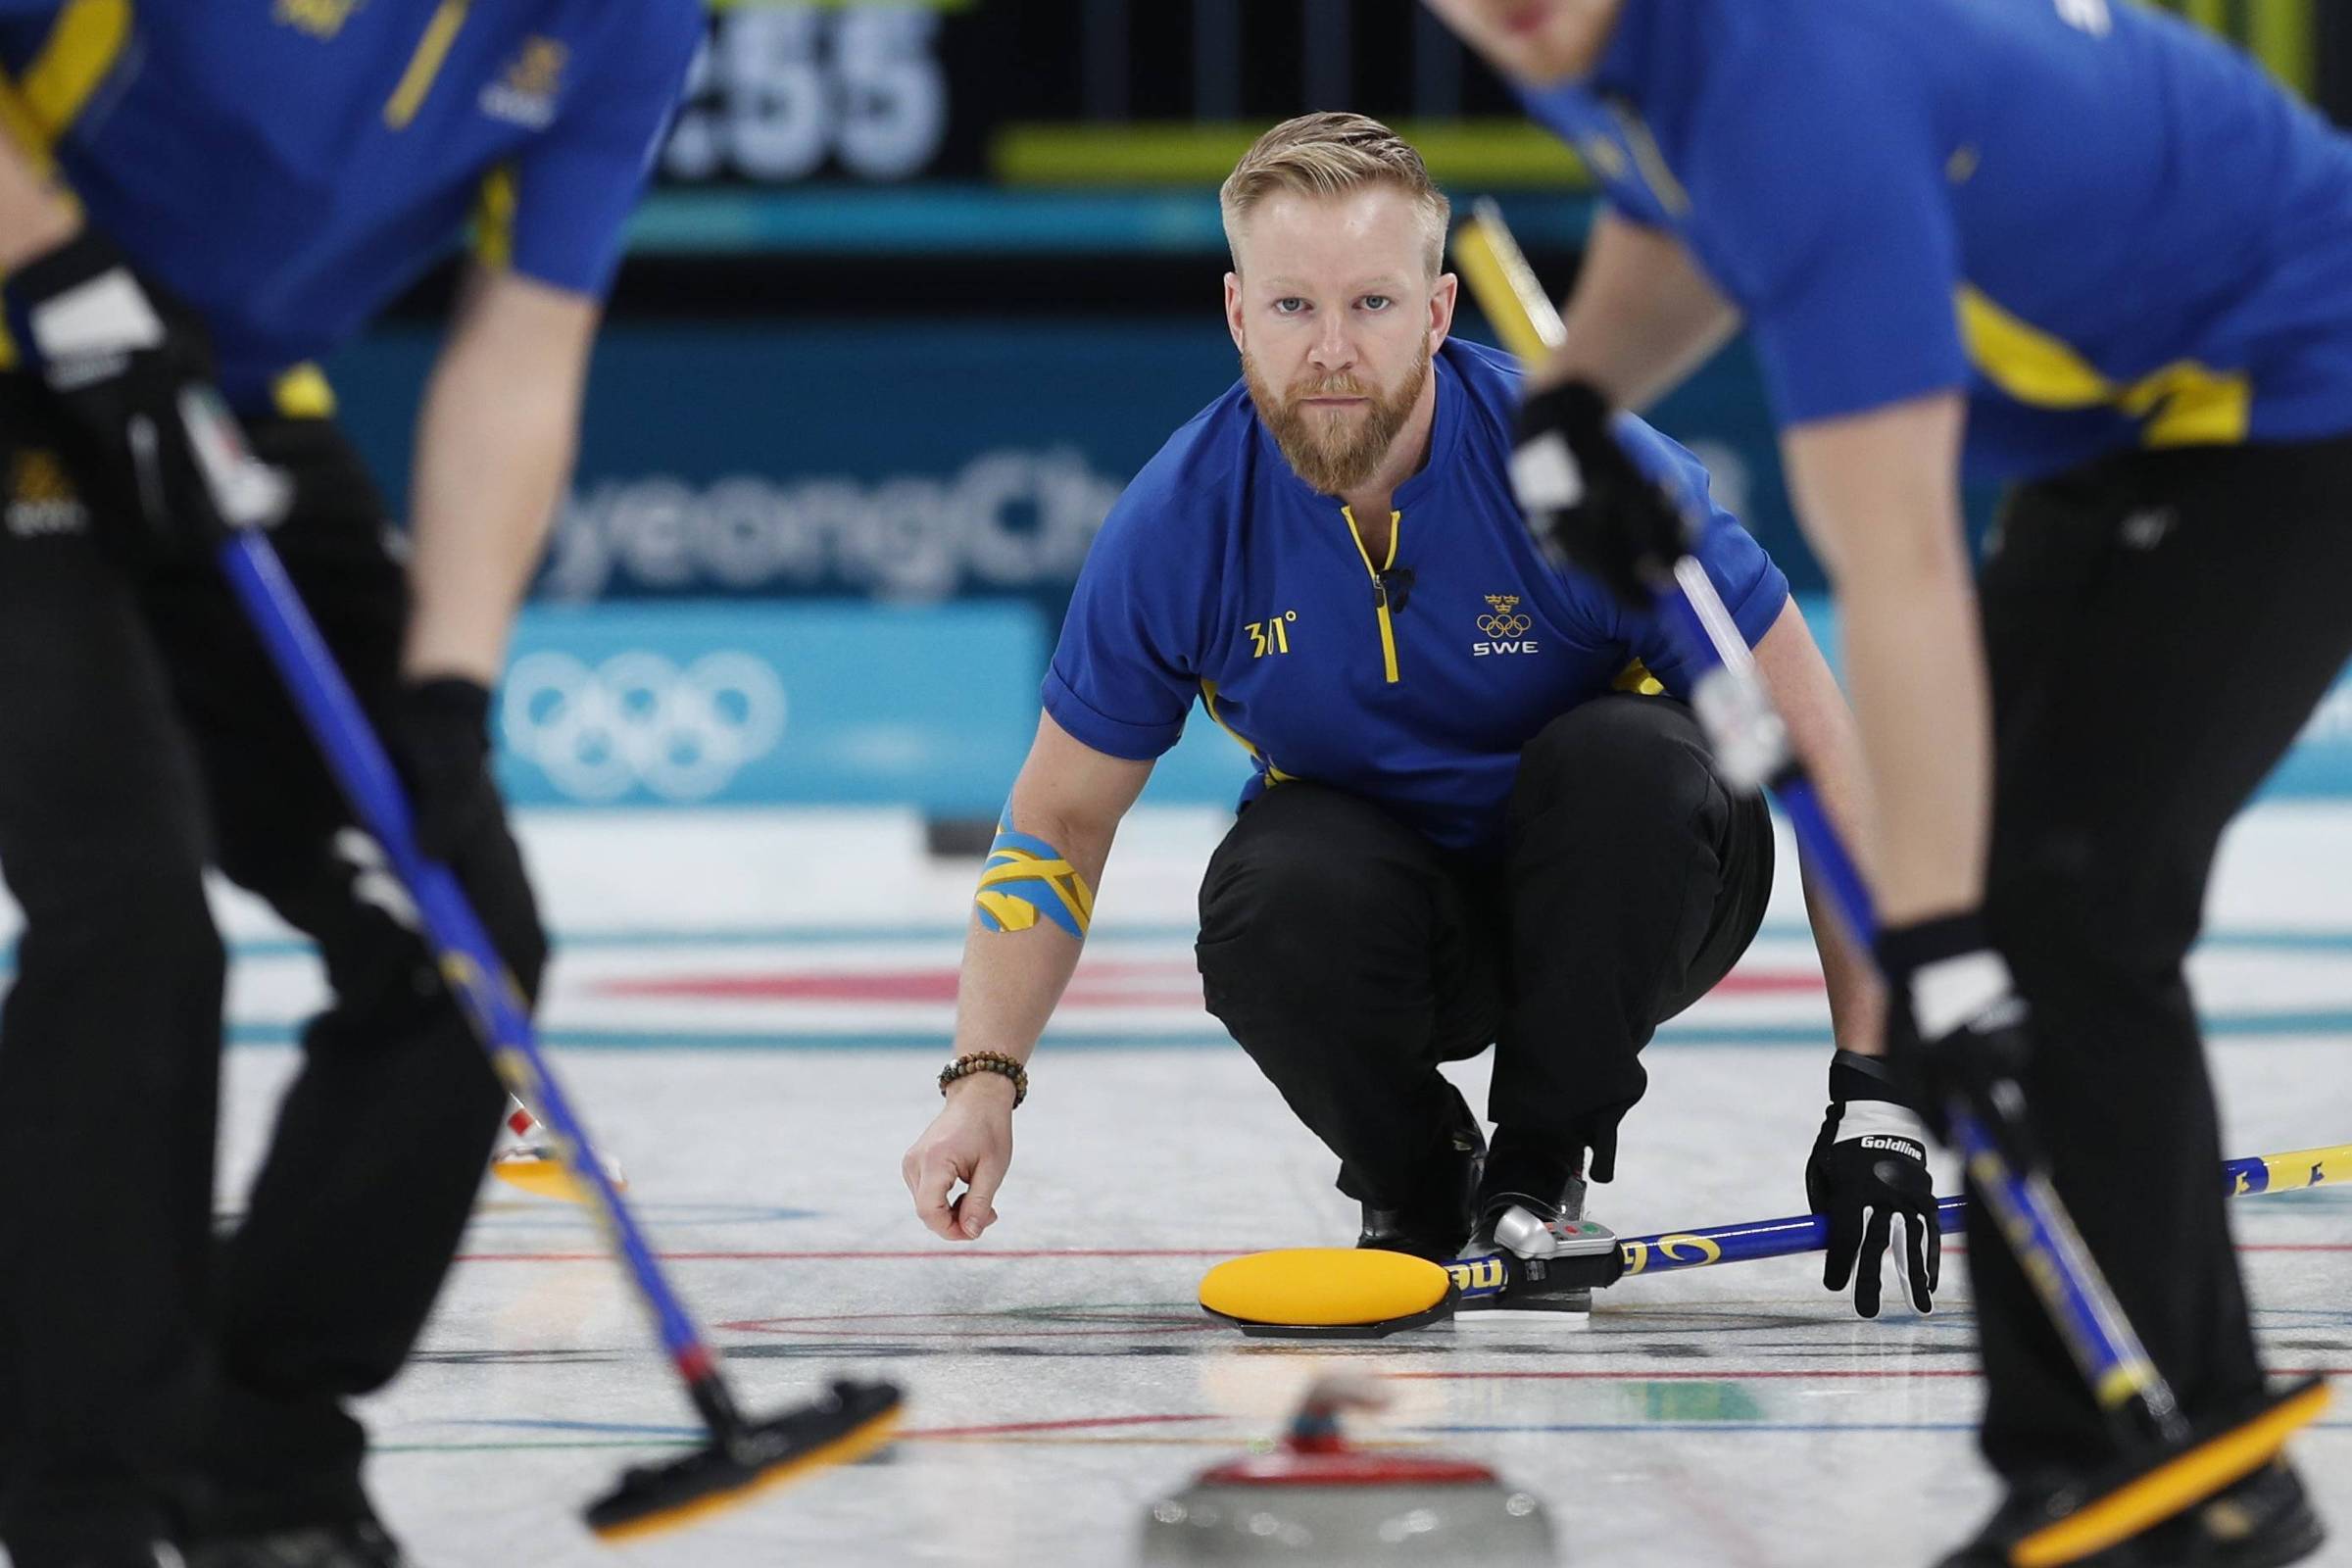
1328 1292
851 1422
544 1176
2123 1504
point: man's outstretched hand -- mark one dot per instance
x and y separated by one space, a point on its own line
970 1141
1869 1175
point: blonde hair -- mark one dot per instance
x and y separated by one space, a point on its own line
1331 154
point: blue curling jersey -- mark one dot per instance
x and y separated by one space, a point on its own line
286 167
1412 680
2108 227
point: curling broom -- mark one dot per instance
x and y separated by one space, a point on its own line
2170 1464
745 1454
1670 1251
1365 1294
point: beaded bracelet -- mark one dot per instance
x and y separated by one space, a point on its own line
994 1062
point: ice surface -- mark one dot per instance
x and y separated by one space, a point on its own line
750 1007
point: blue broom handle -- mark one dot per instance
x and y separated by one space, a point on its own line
1752 746
1731 701
1669 1250
475 974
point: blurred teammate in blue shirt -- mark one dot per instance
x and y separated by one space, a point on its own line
1462 829
195 194
2082 246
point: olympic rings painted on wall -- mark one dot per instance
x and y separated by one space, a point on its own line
638 722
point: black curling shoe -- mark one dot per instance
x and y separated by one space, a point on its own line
1435 1229
2265 1521
1392 1230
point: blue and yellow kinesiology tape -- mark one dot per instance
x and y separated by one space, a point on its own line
1027 877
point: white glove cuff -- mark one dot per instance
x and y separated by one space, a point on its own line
1951 993
1544 476
1881 1118
108 314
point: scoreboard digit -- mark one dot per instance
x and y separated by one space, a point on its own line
783 93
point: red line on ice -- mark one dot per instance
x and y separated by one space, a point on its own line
1080 1322
886 1257
1170 984
878 985
1723 1374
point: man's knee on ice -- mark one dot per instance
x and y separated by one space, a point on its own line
1289 914
1278 873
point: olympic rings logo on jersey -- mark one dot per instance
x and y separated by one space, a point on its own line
637 720
1504 622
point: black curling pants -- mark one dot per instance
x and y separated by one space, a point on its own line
2159 626
1350 956
146 1375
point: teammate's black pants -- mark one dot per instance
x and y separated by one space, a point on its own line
143 735
1350 956
2159 626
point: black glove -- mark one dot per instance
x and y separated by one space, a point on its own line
1954 1022
1869 1168
123 364
439 737
1587 504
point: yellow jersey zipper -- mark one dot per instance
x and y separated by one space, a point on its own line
1380 589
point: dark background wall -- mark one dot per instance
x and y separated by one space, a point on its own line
921 285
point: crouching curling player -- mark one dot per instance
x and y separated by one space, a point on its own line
1468 824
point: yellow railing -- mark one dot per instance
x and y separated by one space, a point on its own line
2283 34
